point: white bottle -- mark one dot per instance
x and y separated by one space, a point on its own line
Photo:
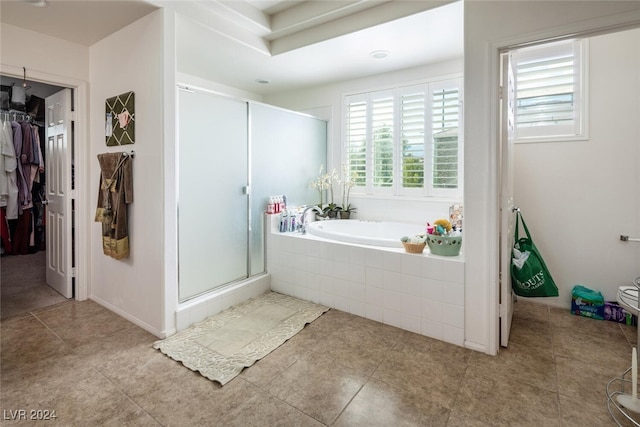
283 222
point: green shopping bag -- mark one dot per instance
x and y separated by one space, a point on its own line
530 276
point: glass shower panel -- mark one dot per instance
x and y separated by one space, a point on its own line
212 207
287 149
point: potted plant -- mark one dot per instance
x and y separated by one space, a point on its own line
347 183
324 182
331 210
345 211
321 184
327 181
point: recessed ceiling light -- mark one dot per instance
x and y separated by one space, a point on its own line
379 54
40 3
263 81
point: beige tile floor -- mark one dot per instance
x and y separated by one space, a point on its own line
93 368
23 285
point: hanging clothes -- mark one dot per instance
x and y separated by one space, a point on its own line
8 177
115 191
19 226
26 159
5 238
21 236
24 195
38 191
37 167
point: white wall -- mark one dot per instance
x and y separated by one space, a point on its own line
488 26
42 53
325 102
132 60
578 197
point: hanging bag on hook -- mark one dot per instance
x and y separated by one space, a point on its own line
530 276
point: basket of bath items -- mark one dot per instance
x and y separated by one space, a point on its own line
443 239
415 244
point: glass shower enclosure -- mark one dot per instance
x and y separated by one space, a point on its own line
233 155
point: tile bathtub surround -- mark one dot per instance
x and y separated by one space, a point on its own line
94 368
418 293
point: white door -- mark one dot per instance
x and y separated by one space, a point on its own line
507 213
58 190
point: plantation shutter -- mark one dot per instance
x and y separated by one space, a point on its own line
545 91
412 122
445 124
382 127
548 90
405 141
356 141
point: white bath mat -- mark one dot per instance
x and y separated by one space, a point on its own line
221 346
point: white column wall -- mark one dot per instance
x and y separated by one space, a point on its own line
132 59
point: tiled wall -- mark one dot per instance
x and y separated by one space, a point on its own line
419 293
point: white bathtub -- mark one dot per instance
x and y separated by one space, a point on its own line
419 293
374 233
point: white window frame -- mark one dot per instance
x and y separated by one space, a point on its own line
578 130
397 188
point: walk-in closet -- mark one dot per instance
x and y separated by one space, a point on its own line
23 201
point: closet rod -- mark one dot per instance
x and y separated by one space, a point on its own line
17 115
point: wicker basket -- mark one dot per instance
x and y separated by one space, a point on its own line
414 248
444 245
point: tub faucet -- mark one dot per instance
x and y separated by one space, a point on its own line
303 220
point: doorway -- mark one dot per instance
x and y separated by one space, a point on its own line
580 185
27 251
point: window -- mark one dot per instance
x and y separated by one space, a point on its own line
446 110
396 138
550 90
382 123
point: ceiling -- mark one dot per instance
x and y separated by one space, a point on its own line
291 44
83 22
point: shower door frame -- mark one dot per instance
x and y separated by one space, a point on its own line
245 188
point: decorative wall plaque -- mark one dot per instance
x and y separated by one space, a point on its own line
120 122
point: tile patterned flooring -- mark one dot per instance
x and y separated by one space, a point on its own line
95 368
23 285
